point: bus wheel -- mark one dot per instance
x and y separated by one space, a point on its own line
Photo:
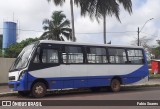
24 93
115 85
39 90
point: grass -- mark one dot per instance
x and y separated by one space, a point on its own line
152 75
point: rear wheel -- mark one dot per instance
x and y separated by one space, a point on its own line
115 85
24 93
39 90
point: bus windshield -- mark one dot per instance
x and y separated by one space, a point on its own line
23 58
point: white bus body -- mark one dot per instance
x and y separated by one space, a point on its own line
58 65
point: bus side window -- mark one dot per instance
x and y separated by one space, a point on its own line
135 56
38 57
47 56
117 56
96 55
72 54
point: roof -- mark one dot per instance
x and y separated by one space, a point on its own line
90 44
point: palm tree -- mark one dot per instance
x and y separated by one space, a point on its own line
61 2
57 27
102 8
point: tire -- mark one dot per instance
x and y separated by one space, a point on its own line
115 85
24 93
39 90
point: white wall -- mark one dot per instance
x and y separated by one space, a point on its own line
5 64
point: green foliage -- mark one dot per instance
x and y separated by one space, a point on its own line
57 2
1 53
101 8
0 42
57 27
156 51
15 49
152 75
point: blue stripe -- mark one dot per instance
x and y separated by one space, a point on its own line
78 82
21 85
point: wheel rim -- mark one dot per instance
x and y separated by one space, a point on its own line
115 85
39 89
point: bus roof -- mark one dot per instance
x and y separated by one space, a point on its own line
88 44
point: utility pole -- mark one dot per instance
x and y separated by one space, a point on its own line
141 30
138 36
72 17
104 24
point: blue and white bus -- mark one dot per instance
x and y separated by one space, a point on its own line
53 65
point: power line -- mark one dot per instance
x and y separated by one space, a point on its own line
149 34
77 33
24 30
109 32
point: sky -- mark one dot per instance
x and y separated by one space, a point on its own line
29 14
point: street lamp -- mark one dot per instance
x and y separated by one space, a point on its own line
139 30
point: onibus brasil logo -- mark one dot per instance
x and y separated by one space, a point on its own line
20 103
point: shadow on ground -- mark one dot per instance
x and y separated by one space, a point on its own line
88 92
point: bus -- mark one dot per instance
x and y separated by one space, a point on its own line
53 65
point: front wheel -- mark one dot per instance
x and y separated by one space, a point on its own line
115 85
39 90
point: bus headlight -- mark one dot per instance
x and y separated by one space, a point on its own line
21 75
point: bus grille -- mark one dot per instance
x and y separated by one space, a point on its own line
11 78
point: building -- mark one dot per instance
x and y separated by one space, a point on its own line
9 34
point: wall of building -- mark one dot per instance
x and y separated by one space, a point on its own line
5 64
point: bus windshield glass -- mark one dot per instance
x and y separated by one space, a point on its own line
23 58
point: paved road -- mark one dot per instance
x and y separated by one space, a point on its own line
126 93
139 93
5 88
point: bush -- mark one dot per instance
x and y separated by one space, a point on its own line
14 50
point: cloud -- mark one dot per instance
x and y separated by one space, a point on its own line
30 14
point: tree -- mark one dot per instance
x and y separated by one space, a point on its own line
1 40
61 2
156 50
101 8
144 42
14 50
57 27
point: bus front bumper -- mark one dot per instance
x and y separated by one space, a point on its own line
16 86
